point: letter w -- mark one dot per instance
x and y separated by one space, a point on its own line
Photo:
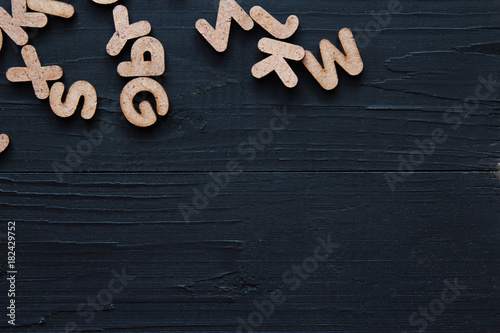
351 62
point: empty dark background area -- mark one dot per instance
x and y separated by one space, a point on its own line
323 175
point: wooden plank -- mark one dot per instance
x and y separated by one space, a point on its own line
412 77
396 249
325 173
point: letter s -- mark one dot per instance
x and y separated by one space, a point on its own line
78 90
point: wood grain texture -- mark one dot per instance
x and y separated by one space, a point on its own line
324 173
396 249
411 77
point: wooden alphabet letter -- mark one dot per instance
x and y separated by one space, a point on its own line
105 2
4 142
34 72
12 29
52 7
147 116
276 62
138 66
351 62
26 19
219 37
273 26
78 90
125 31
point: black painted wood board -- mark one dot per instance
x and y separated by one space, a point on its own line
324 175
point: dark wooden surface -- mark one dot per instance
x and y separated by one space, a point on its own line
324 174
